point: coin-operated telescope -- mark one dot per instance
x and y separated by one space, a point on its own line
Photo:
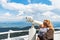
32 30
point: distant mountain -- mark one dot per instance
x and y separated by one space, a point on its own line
14 24
16 28
21 24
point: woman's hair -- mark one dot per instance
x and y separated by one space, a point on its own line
48 24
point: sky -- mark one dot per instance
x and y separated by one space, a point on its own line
17 10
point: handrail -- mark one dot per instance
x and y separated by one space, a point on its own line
58 32
10 31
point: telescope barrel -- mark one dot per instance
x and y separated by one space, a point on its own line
30 19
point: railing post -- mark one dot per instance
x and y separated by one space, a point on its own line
9 35
32 33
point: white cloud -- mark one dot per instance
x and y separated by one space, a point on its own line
20 13
9 17
56 3
38 11
17 6
3 1
48 13
12 18
7 14
52 16
13 6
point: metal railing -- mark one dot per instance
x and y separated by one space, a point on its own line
10 31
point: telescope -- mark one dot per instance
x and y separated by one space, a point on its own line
32 30
30 19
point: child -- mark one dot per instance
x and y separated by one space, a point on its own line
42 31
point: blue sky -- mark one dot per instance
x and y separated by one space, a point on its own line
17 10
32 1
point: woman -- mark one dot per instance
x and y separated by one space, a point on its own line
46 31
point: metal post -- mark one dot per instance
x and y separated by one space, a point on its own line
32 33
9 35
